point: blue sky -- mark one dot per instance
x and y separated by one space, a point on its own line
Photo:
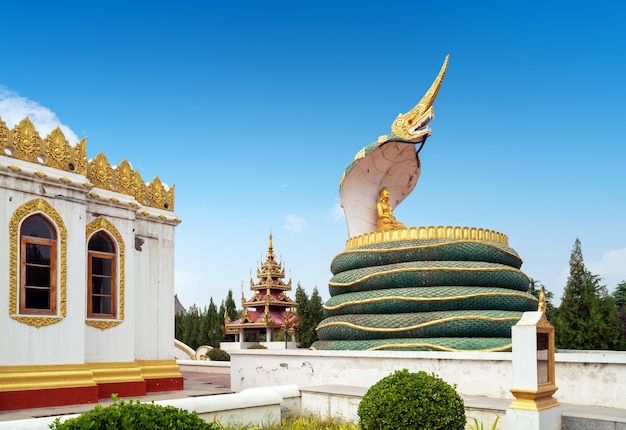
253 110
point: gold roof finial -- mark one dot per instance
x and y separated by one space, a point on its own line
404 124
542 301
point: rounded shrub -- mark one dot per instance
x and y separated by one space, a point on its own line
217 354
257 346
135 415
405 400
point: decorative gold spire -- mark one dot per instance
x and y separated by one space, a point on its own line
542 301
414 123
24 143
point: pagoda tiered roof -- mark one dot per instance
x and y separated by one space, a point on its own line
271 273
269 307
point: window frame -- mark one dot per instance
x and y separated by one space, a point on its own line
113 257
24 241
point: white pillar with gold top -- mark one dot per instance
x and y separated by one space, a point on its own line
534 408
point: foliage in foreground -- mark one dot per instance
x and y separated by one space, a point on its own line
135 415
301 423
480 426
406 400
217 354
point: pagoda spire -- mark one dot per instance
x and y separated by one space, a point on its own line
270 307
270 251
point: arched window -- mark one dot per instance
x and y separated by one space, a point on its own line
38 266
102 284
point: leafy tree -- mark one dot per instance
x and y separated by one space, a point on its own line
587 317
204 327
191 327
214 325
619 295
231 307
316 311
310 313
202 336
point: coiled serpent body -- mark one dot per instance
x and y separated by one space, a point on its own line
425 294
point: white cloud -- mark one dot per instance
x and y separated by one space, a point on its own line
611 267
294 223
14 108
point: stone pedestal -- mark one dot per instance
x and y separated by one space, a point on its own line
534 408
549 419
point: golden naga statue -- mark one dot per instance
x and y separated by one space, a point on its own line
392 161
386 220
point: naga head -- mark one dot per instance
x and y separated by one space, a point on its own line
413 125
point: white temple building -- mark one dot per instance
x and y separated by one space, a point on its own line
86 275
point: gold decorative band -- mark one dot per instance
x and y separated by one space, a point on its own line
38 377
20 378
413 327
440 232
155 369
427 269
108 372
534 400
435 347
424 299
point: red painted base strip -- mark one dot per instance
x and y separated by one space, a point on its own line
12 400
122 389
27 399
164 384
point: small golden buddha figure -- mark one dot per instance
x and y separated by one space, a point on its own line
386 220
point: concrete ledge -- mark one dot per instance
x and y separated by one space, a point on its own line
332 401
585 378
202 366
291 404
255 406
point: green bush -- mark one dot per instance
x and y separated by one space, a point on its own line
135 415
257 346
406 400
217 354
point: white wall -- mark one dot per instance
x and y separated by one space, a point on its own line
594 378
154 294
23 344
148 326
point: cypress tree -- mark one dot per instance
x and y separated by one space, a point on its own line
619 295
213 330
316 314
587 317
310 313
231 307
